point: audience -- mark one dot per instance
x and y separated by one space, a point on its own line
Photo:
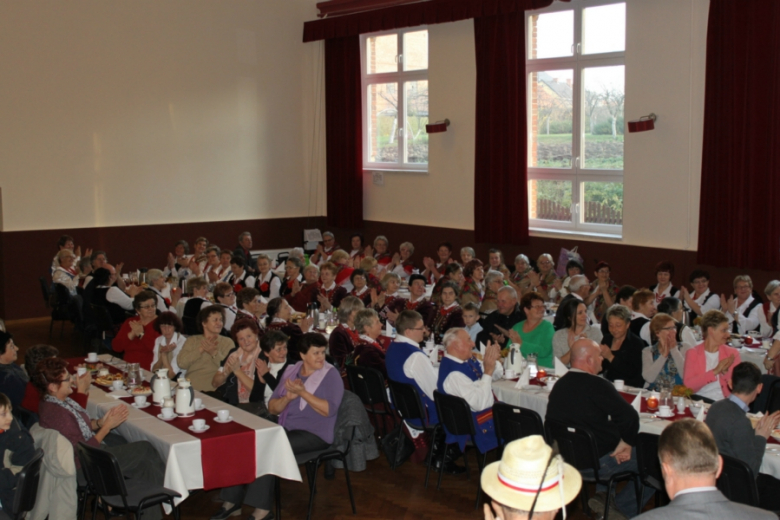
621 349
202 354
225 297
663 288
519 279
578 289
683 333
240 370
708 366
18 448
367 352
345 337
534 334
508 314
604 291
243 251
624 297
137 336
329 294
494 281
702 299
473 283
267 282
448 313
577 327
742 309
279 316
664 361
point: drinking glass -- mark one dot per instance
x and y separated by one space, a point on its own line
331 324
133 374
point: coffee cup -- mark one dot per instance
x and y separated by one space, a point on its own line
509 373
664 410
167 412
80 371
92 357
198 403
619 384
140 400
223 414
118 384
199 424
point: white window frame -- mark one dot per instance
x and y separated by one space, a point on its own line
399 77
578 62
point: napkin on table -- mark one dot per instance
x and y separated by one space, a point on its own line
637 402
434 354
700 415
525 378
116 394
560 368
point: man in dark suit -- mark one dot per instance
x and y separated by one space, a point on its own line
691 465
579 288
506 316
243 250
736 436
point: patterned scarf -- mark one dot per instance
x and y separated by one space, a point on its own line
669 370
76 410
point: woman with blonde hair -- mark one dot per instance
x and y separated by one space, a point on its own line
664 361
709 364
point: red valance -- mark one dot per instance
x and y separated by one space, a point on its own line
412 15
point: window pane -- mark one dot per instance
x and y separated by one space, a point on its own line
382 123
603 203
604 29
551 35
551 119
416 50
416 101
603 104
381 52
550 200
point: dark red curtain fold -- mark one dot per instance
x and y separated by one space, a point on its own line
411 15
500 187
739 219
344 132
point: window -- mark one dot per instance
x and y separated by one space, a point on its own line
395 102
576 94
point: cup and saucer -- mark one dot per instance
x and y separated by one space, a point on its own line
198 430
142 406
164 418
665 412
225 421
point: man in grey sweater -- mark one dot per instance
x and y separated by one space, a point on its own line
736 436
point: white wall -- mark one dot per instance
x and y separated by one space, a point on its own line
156 111
665 62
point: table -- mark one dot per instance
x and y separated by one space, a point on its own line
181 451
755 356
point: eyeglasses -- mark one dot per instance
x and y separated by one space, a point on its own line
228 295
150 306
417 328
537 306
669 328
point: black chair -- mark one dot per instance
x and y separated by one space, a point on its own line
649 466
737 482
45 291
60 307
578 448
409 405
515 422
456 419
123 496
369 385
27 486
773 401
103 326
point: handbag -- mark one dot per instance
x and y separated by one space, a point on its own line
564 258
397 447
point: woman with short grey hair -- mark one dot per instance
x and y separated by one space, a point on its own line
368 352
769 314
466 255
519 279
743 310
344 337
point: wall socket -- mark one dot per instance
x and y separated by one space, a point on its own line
379 178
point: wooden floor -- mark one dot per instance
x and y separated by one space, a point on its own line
380 492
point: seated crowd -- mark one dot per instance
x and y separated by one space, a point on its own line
240 328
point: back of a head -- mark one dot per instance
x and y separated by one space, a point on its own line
577 282
406 320
581 351
689 448
745 378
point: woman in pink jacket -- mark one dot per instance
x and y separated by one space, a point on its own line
708 365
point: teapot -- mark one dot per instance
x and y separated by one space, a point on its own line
514 360
185 398
161 386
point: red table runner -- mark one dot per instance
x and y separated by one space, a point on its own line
227 450
643 408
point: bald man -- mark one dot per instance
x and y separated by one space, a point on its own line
584 400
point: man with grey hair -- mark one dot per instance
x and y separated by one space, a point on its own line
506 316
579 288
462 375
494 281
243 250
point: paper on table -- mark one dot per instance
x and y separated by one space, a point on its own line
116 394
525 378
637 402
560 368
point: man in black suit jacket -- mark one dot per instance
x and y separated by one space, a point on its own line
691 466
243 250
506 316
579 288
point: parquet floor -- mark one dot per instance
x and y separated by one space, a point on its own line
380 493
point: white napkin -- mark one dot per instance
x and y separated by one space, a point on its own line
525 378
434 354
116 394
560 368
700 415
388 329
637 402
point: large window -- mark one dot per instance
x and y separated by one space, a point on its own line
576 94
395 100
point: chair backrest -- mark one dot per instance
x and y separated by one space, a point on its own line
102 317
514 422
454 413
368 384
62 294
737 481
102 471
45 290
773 401
576 445
27 485
647 461
407 401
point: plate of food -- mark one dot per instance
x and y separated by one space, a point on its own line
108 380
141 390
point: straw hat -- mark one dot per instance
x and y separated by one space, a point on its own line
515 479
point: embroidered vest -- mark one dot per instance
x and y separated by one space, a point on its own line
395 357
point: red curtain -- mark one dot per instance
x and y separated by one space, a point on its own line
739 219
344 132
500 187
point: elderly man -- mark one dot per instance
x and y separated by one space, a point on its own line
691 466
461 375
736 436
582 399
494 281
507 315
243 251
579 288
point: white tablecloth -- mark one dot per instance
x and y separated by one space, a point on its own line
181 450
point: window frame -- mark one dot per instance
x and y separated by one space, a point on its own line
577 63
400 78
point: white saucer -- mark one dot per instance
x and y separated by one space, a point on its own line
192 429
202 407
671 414
229 419
145 405
160 416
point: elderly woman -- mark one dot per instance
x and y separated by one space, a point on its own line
708 365
249 305
769 315
168 344
466 255
534 334
138 460
266 282
240 370
156 281
622 349
448 314
496 262
452 273
324 249
663 288
137 336
382 253
329 293
578 326
202 354
344 337
341 260
702 299
357 249
643 305
307 401
494 281
742 310
225 297
604 291
292 270
66 274
368 353
473 285
303 288
370 267
32 398
360 286
402 264
434 270
664 361
573 268
179 260
279 315
684 334
388 301
519 279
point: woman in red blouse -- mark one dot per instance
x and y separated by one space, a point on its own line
136 337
